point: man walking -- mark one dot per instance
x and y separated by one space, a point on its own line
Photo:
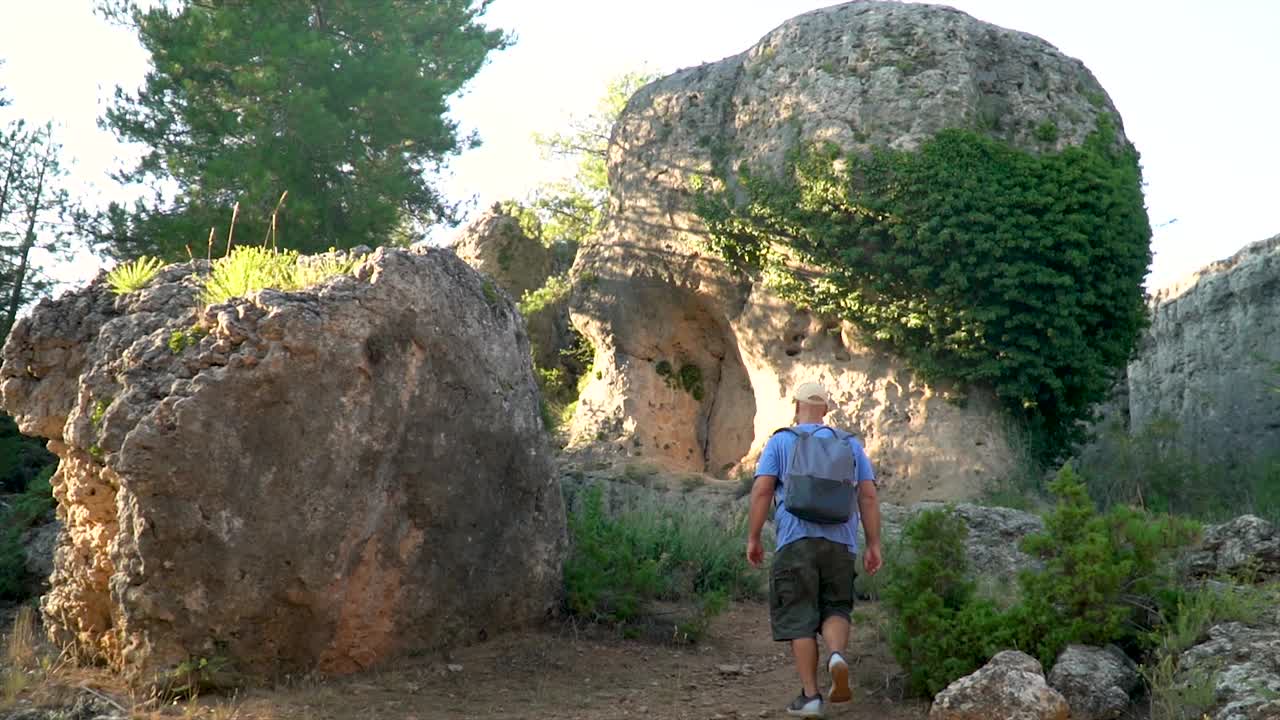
827 479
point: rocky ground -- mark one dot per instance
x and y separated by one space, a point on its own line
563 671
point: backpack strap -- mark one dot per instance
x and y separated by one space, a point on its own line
838 434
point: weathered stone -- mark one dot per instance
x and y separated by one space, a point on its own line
1210 356
1096 682
1247 545
862 75
1010 687
496 245
1243 665
305 480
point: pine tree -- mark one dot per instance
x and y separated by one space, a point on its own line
340 105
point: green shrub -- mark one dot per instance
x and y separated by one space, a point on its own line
618 565
975 261
1102 580
133 275
939 629
1100 573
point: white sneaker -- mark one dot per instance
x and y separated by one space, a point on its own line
839 669
805 706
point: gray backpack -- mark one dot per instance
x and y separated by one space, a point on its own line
818 483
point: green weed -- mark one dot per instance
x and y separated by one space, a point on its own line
134 275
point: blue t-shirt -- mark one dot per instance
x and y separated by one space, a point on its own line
773 461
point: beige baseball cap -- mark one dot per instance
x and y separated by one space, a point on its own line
812 392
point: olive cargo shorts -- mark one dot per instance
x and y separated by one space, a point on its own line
810 581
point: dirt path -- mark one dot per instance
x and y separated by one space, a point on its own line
564 673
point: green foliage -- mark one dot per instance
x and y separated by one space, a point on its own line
133 275
100 408
248 269
555 291
24 510
22 458
341 104
36 212
1047 132
688 378
180 340
572 210
618 565
490 292
1154 469
1098 572
975 261
1186 623
1099 579
939 630
560 386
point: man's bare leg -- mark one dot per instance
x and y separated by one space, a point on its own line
835 633
805 651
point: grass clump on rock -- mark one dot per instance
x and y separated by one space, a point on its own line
247 269
134 275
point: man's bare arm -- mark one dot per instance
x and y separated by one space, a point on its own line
869 509
761 499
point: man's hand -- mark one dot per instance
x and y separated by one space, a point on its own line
871 558
755 552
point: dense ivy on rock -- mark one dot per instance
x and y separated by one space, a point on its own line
974 260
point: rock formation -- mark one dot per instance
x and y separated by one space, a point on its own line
495 244
1096 682
1011 687
651 298
1247 546
1209 360
1242 665
290 481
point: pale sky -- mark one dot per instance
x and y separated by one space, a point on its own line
1195 83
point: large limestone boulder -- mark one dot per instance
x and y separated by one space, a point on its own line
1208 360
653 301
291 481
1096 682
1011 687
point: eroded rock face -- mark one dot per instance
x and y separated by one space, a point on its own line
294 481
862 75
1208 360
1011 687
1096 682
